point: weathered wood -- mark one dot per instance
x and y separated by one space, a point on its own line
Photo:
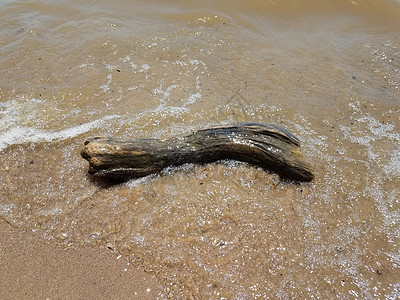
264 145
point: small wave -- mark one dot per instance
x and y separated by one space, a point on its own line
24 134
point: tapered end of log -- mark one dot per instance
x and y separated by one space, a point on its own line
264 145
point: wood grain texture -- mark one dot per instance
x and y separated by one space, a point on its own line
264 145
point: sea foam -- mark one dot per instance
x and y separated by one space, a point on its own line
14 128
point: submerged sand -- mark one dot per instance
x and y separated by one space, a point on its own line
327 71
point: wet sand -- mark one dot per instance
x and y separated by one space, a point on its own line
31 268
327 71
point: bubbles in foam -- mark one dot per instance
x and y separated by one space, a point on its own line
20 123
393 167
6 209
22 135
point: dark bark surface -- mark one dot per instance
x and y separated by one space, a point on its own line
264 145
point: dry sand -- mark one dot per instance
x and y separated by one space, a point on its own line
31 268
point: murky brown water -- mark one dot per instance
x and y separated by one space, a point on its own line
328 71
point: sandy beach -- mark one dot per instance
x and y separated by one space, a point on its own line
326 71
31 268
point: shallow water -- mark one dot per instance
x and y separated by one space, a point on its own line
327 71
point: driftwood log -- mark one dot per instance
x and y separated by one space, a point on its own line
264 145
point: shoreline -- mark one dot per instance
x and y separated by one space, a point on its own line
31 268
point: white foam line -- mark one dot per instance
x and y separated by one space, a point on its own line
20 135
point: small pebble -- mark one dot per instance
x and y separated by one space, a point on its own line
7 169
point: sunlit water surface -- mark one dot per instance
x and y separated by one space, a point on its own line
328 71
